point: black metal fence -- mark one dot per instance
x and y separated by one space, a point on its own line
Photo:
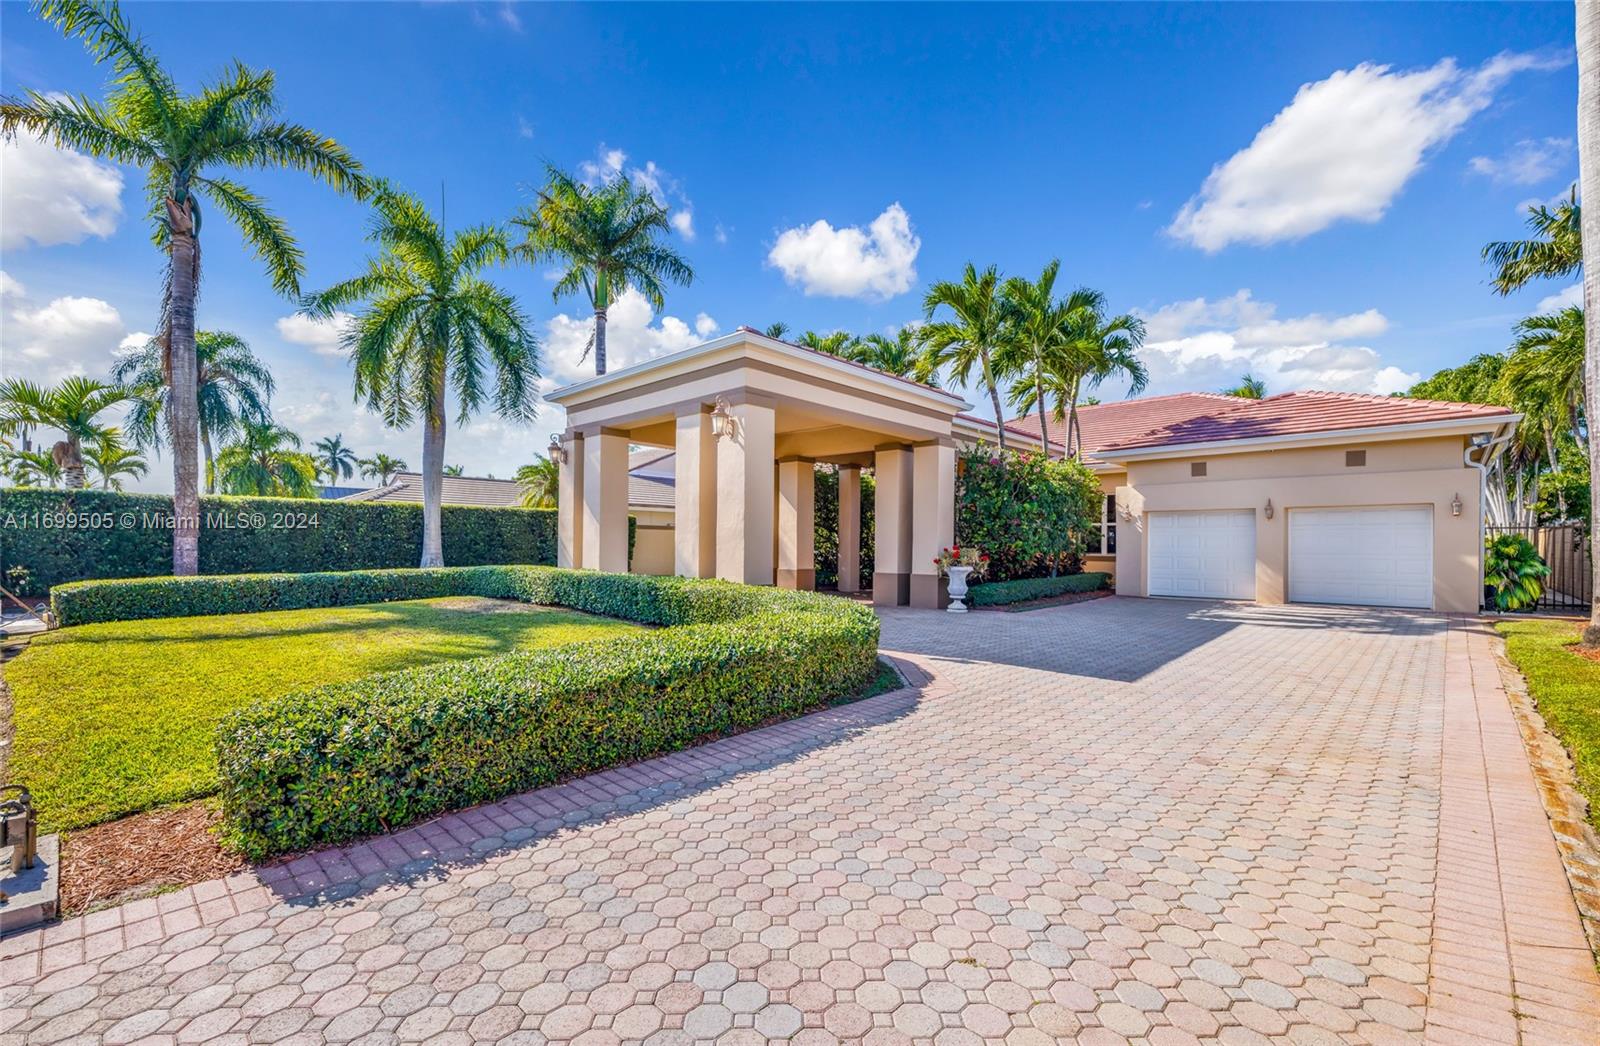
1566 550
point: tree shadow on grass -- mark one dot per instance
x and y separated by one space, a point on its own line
449 843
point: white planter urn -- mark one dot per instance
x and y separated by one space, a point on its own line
958 589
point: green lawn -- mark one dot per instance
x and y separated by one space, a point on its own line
116 718
1567 688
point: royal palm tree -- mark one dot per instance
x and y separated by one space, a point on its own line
609 238
1250 387
428 322
231 386
1554 251
381 467
110 460
266 461
898 355
72 408
540 482
971 337
1588 33
185 144
335 460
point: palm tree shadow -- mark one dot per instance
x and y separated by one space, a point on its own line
435 849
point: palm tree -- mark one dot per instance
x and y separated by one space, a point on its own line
429 321
1588 33
334 459
1036 328
898 355
381 467
454 470
540 482
609 239
1554 251
31 468
111 460
1098 349
1545 370
776 330
969 340
72 408
838 343
267 462
184 143
1249 388
231 385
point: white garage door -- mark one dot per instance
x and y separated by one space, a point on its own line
1206 554
1380 557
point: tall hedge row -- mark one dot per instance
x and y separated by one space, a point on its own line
60 536
366 756
1032 515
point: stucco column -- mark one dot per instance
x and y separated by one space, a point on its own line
891 572
605 502
933 520
745 495
695 496
569 504
849 528
797 523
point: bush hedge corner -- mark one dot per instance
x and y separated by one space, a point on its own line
999 593
355 758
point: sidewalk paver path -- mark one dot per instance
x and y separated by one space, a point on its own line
1124 820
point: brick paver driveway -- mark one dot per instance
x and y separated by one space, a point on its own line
1122 820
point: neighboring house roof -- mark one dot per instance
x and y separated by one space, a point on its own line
1209 417
1013 427
338 493
482 492
1306 413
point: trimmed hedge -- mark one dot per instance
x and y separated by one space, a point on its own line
62 536
999 593
356 758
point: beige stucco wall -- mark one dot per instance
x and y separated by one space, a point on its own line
652 543
1426 471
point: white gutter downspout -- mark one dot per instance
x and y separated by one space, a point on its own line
1490 451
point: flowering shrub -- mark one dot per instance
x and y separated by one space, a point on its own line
962 557
1033 515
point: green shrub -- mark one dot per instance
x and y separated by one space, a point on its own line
1032 515
1513 571
365 756
998 593
61 536
827 527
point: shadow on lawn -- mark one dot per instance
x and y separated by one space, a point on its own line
449 843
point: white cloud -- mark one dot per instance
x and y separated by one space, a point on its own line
321 336
605 167
51 195
1550 203
9 287
609 165
875 263
1562 299
1201 345
683 221
633 335
524 128
721 233
1529 162
1340 151
508 15
69 335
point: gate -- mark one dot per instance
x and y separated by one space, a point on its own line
1566 550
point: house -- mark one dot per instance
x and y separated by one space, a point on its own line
1303 497
1310 497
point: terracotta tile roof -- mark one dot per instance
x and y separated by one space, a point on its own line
1302 413
1106 423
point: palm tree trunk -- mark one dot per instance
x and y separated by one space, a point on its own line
183 398
1044 431
994 397
599 341
433 478
210 462
1072 420
1589 190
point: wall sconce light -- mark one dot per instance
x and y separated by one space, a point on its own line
558 453
721 419
1455 505
1269 508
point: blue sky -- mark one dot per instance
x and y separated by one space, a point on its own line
1300 191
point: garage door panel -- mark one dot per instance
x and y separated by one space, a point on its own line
1377 556
1203 554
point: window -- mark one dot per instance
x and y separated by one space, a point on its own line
1197 468
1108 525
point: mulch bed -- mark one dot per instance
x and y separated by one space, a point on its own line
1049 601
145 854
